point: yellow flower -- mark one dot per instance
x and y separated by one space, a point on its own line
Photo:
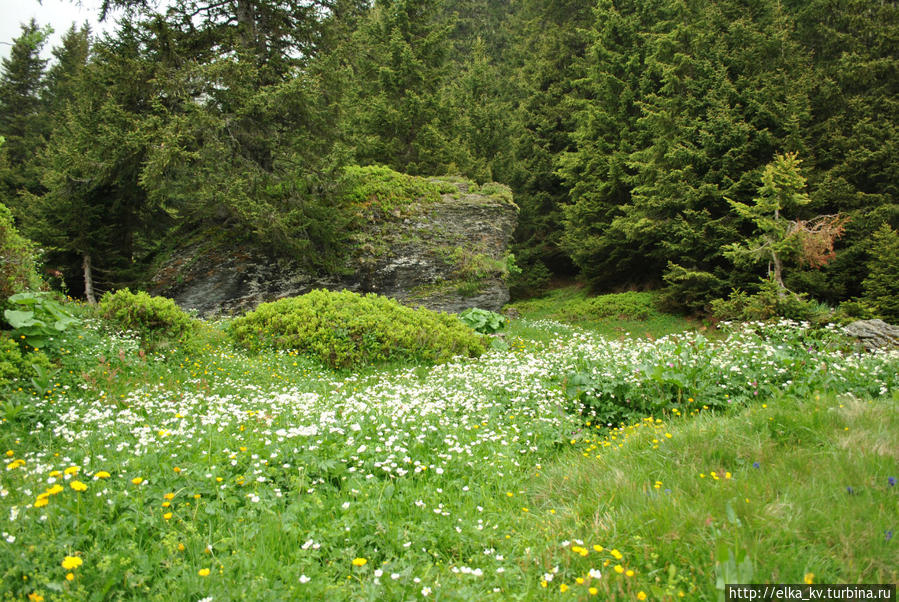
102 475
33 597
580 580
78 486
176 469
71 562
616 554
563 588
137 480
54 490
619 569
72 470
593 591
70 577
359 561
629 573
169 496
641 595
167 515
543 583
727 475
166 504
55 473
598 548
203 572
809 578
180 547
41 502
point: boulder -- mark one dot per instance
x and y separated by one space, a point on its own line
874 334
447 255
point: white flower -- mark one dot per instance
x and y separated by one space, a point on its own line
304 579
426 591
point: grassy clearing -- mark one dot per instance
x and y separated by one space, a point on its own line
801 486
623 315
214 472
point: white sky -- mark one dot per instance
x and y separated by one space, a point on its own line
59 14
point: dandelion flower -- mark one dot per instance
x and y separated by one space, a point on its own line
563 588
137 480
809 578
359 561
203 572
616 554
71 562
101 475
167 515
41 502
78 486
593 591
641 595
54 490
619 569
70 577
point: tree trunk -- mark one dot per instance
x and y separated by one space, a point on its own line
88 280
778 275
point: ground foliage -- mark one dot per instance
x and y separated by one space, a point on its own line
190 473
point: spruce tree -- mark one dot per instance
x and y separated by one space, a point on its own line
22 117
881 286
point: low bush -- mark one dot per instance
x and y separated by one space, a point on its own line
17 262
381 187
157 320
17 365
345 329
770 302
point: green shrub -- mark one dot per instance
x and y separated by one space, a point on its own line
381 187
157 320
17 262
345 329
625 306
17 365
482 320
882 284
768 303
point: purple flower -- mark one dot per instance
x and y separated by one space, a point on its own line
891 481
888 535
850 490
755 464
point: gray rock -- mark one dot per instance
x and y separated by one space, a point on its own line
874 334
446 255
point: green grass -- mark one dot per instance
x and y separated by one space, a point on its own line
476 479
800 485
621 315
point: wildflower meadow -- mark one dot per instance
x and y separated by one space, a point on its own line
560 463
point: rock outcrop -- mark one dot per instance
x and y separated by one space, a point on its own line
447 255
874 334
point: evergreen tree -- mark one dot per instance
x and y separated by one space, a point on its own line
400 116
22 118
547 57
881 286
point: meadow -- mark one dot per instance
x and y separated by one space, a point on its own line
578 458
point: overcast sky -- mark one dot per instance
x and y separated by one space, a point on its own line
59 14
